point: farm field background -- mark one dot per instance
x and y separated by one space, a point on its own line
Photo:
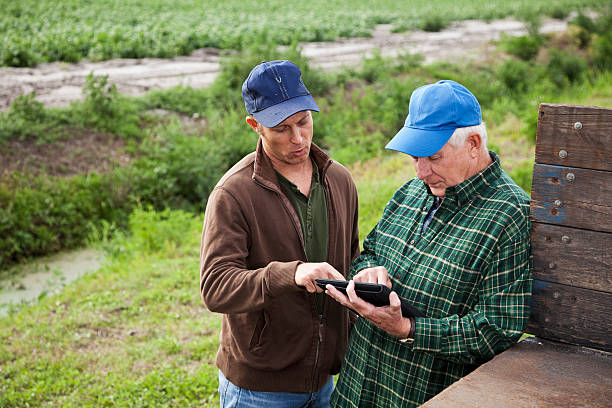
130 176
70 30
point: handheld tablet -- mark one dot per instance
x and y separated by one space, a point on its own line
374 293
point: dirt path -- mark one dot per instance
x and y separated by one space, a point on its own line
57 84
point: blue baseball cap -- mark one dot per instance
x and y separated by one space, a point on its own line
435 111
274 90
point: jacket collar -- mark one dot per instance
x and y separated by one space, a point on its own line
263 171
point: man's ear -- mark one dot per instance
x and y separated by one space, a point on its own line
474 142
252 122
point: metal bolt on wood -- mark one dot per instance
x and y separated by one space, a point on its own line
565 239
558 203
562 154
577 125
556 295
551 265
570 177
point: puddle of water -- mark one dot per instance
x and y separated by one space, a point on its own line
47 275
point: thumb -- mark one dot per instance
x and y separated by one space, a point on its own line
394 302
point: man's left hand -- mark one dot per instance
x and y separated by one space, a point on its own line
388 318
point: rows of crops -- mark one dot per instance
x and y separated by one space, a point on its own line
34 31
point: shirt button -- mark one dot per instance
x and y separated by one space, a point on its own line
412 242
425 208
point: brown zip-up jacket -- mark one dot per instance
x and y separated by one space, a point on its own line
272 338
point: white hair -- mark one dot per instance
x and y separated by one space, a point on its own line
460 134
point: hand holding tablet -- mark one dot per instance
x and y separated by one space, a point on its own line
374 293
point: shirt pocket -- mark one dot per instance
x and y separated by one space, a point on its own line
450 288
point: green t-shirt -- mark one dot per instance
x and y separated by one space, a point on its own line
312 212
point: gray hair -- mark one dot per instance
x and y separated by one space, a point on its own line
460 134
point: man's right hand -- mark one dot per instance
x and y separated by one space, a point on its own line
306 274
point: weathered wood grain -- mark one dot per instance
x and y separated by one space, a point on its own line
587 144
535 373
572 256
571 315
572 197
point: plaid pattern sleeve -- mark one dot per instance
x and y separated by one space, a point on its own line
470 273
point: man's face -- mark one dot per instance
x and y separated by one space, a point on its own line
448 167
288 143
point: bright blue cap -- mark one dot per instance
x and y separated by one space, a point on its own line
435 111
274 90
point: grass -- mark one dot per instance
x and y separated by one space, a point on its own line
134 333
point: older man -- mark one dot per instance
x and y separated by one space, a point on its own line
281 217
455 243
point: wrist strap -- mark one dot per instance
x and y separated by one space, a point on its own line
410 338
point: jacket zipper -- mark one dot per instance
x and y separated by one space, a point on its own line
321 325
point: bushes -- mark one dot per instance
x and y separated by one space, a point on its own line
179 170
105 109
173 168
515 75
433 23
563 68
45 215
525 47
595 36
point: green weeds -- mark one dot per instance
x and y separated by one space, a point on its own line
177 159
525 47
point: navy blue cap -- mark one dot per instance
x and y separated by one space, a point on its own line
435 111
274 90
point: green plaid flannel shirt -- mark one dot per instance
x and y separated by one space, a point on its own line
470 273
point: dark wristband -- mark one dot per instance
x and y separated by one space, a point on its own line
412 327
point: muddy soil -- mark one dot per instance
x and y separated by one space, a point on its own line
57 84
84 152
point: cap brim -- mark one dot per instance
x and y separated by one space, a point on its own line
419 142
275 114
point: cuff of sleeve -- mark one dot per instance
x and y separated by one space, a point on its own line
280 277
429 334
362 265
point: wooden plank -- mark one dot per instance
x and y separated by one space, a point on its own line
588 145
571 315
534 373
572 197
572 256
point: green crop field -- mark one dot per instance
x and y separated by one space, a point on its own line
34 31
